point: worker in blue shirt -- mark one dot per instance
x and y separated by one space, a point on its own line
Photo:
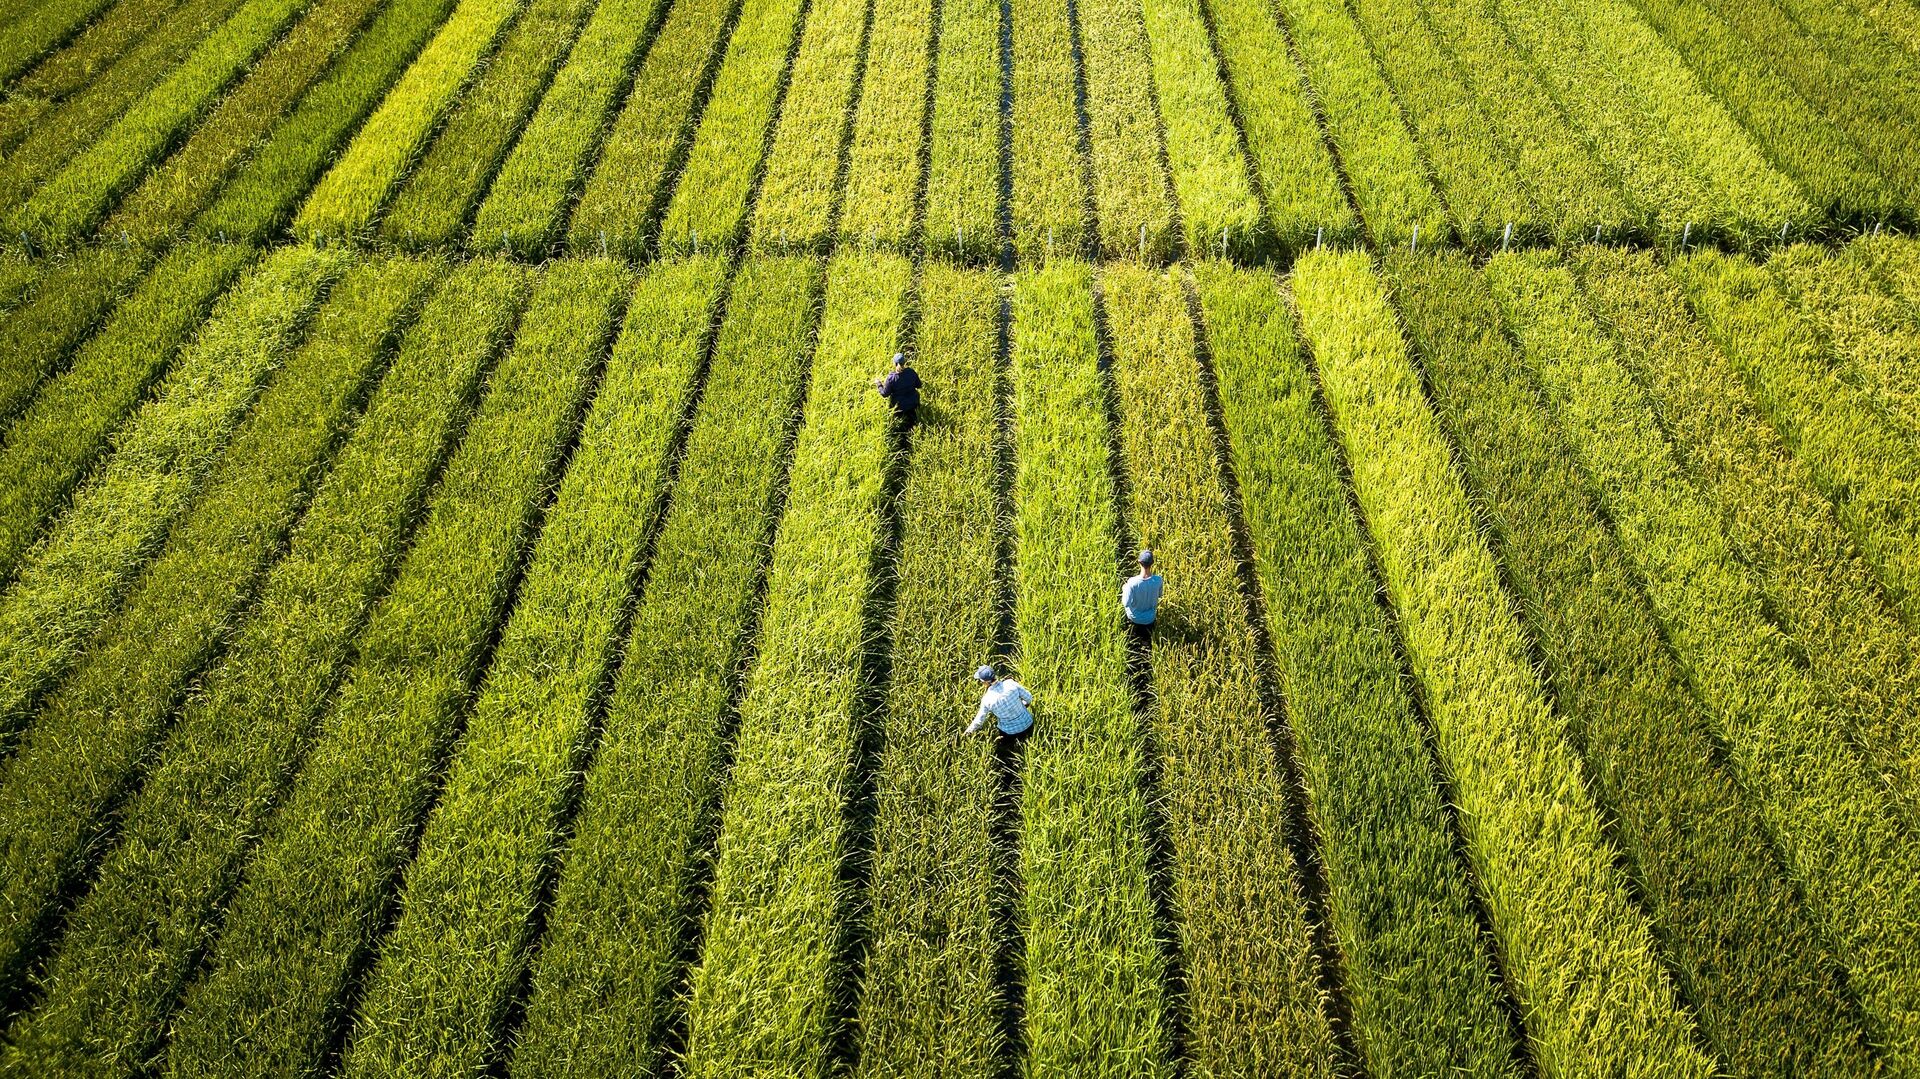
901 389
1140 600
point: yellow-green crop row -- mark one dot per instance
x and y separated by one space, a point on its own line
1219 210
1132 200
629 185
1095 976
764 988
53 444
1484 190
131 942
75 293
1821 589
34 30
255 204
964 165
884 173
311 905
605 980
1873 61
710 204
120 29
67 584
1304 200
67 206
1049 211
19 277
345 201
527 203
436 202
928 1002
1252 983
1377 153
799 191
1747 953
1840 834
1578 954
187 179
1874 336
87 747
1421 991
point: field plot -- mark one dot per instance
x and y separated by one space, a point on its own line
467 607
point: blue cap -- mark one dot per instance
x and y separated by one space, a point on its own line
984 674
1146 558
899 358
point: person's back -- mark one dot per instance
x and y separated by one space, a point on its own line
901 387
1006 702
1140 596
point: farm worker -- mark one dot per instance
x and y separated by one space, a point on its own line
901 388
1006 701
1140 599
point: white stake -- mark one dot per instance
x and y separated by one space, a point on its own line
1319 237
1684 234
1415 245
1507 236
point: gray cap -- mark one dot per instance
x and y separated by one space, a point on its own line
984 674
899 359
1146 558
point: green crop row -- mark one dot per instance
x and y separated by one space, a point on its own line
255 204
35 29
1837 829
1874 337
1049 208
1304 200
75 293
1895 262
69 204
91 740
69 582
1747 953
880 206
132 940
187 180
51 139
1380 160
628 185
763 990
1252 999
528 201
1874 62
603 983
119 30
1095 977
1132 199
1421 990
1578 955
19 277
727 152
1572 190
1819 586
1898 18
58 438
799 193
346 200
1219 210
1482 188
964 164
928 1004
312 898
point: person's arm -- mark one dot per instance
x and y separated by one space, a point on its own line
1025 697
979 719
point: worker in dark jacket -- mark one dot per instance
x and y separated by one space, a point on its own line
901 389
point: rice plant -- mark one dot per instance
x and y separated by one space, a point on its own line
889 127
1873 337
965 159
76 292
1130 184
799 192
1049 174
1210 173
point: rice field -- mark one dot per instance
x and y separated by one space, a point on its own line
465 610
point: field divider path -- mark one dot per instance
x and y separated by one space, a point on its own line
1830 425
1252 982
927 997
134 939
294 939
1579 956
38 336
762 992
1821 589
1839 832
1095 968
72 580
95 736
1418 987
445 976
1747 952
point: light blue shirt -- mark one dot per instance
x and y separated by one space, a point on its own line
1140 598
1006 701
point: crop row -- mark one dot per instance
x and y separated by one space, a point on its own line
1747 954
35 29
1578 954
1049 204
1095 977
965 159
90 742
1132 201
928 1002
132 940
1210 175
307 913
1419 987
1873 335
1252 984
120 29
884 157
799 194
1838 830
75 293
